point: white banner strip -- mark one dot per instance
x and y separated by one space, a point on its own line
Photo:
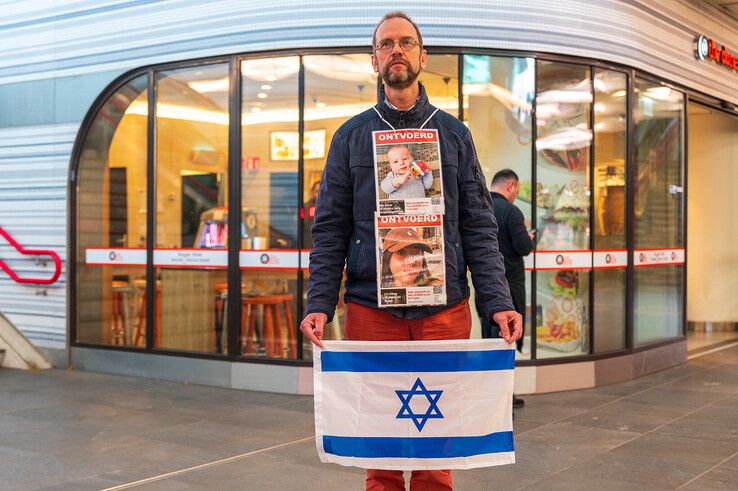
272 259
549 260
294 259
98 256
187 258
610 259
657 257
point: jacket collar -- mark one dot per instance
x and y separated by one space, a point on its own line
497 195
413 117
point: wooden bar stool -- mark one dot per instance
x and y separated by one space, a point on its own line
221 305
272 328
120 326
139 334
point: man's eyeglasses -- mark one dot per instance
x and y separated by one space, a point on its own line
387 45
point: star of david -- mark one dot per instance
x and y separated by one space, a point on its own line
407 395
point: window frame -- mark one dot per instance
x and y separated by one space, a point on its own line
234 190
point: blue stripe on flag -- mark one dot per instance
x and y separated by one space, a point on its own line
418 447
424 361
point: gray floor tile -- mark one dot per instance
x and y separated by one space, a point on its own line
625 471
629 416
568 434
673 397
732 462
718 478
712 423
667 446
64 430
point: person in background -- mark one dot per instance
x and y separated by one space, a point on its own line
309 215
516 242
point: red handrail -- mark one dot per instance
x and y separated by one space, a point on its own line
35 252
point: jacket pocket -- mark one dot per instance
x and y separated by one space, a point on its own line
450 174
359 258
455 253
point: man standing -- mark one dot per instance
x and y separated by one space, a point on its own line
515 242
343 233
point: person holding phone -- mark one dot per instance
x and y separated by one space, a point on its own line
516 242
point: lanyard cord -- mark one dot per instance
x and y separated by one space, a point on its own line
393 128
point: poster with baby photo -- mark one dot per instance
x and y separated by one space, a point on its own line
407 169
410 260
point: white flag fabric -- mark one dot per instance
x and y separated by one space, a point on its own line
414 405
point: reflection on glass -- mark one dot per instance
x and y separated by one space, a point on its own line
269 205
563 145
191 200
337 87
659 200
659 208
498 94
609 205
270 149
111 214
441 81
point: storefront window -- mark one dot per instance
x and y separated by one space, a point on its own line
659 212
441 81
610 255
270 207
563 257
337 87
577 200
498 95
111 222
191 208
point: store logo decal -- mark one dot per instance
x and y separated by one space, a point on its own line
702 47
268 259
708 49
562 260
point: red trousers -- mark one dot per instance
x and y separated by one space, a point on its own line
371 324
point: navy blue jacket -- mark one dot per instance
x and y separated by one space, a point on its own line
513 238
343 232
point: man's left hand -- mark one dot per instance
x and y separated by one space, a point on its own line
511 325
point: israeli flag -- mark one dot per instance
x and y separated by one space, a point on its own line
414 405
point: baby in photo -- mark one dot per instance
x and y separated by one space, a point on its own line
409 178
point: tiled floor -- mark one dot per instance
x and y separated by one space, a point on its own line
83 431
698 340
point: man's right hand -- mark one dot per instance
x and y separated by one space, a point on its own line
312 327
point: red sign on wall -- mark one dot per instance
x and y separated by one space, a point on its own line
709 49
252 162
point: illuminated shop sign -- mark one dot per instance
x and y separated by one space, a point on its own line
708 49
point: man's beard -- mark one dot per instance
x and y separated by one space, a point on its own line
399 80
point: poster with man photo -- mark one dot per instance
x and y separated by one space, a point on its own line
410 260
407 169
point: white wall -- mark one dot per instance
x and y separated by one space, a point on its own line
712 216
